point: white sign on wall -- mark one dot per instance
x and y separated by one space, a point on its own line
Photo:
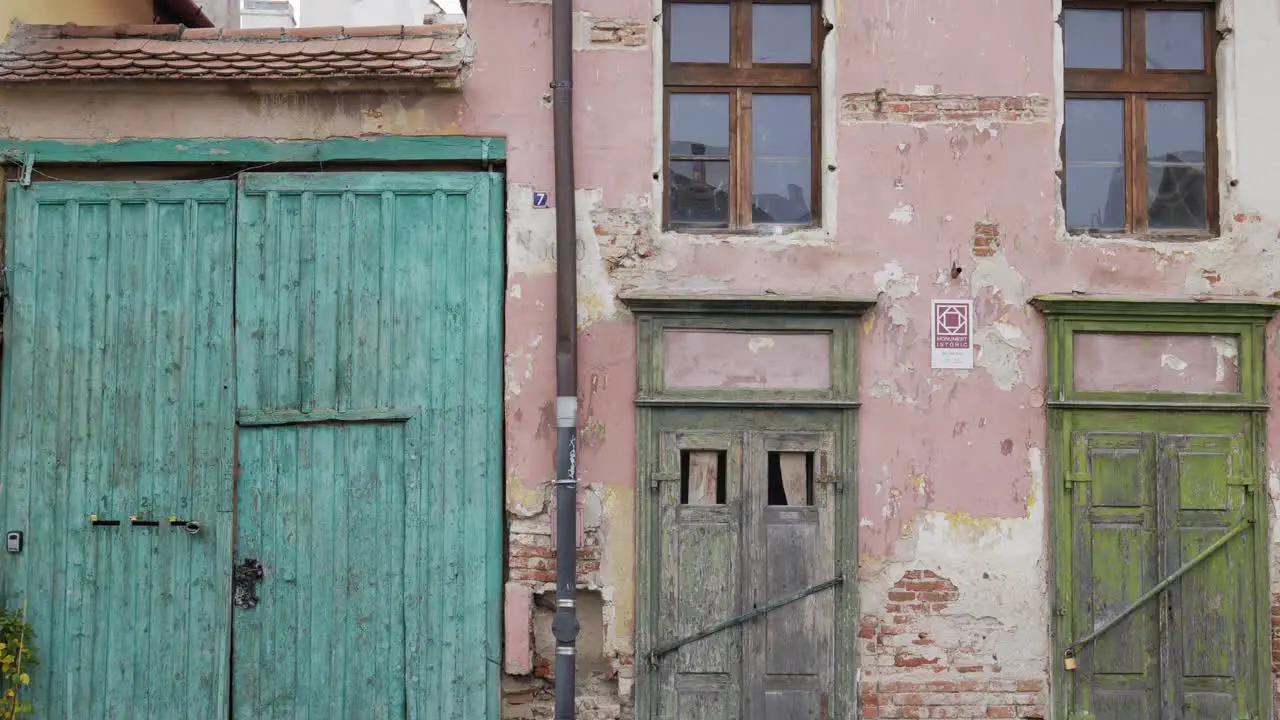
951 338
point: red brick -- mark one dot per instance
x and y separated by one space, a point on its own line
1001 711
925 585
1030 686
913 661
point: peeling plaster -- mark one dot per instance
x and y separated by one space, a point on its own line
903 214
896 282
1000 277
524 501
889 389
1225 349
1173 362
999 569
1001 349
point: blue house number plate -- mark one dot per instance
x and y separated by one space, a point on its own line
539 199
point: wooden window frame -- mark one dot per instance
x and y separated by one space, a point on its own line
741 79
1134 84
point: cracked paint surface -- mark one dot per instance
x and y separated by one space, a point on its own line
951 467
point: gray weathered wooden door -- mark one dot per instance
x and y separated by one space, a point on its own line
746 517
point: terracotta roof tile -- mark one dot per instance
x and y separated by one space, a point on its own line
439 54
202 33
314 33
376 31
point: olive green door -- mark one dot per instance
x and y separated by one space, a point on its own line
1146 494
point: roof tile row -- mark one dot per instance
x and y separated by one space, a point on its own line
439 53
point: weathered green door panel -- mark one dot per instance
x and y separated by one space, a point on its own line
1148 492
1211 651
1114 559
117 402
323 505
368 311
700 539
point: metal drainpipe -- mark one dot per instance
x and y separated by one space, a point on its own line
565 625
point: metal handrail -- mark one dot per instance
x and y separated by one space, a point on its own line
1238 528
667 648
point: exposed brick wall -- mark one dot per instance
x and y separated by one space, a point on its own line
531 556
604 679
618 31
910 673
883 107
971 699
601 33
986 239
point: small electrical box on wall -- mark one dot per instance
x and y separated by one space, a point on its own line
13 541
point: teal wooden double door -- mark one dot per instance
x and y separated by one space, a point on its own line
251 434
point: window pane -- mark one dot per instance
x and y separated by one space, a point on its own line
1095 164
1175 40
702 480
1094 38
699 192
700 32
700 124
790 478
781 158
1177 183
781 33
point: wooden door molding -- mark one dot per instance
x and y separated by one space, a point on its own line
1073 411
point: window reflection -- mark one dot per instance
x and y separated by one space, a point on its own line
1095 164
1176 177
781 164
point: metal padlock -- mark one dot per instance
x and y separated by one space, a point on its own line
1069 662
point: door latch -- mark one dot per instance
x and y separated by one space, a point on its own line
244 583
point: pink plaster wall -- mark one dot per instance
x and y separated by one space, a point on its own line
717 359
1110 362
964 444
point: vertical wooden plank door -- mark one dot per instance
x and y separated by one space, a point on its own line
746 518
118 404
1149 492
369 408
700 535
789 653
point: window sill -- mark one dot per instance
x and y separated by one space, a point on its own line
1150 237
789 234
